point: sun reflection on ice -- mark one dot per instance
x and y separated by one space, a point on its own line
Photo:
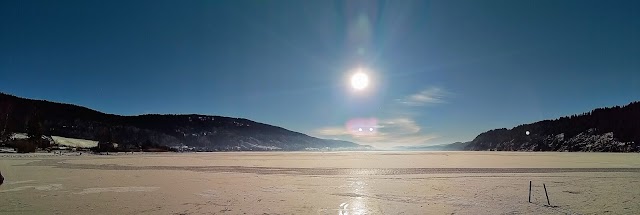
356 205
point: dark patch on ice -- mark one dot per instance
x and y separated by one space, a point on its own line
326 171
572 192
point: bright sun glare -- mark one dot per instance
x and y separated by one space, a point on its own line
359 80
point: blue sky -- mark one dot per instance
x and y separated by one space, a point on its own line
441 71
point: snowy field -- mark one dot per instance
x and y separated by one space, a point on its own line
64 141
322 183
72 142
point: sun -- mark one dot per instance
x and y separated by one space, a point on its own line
359 81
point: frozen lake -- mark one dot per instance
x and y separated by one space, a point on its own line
321 183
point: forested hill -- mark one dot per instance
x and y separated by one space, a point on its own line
613 129
208 132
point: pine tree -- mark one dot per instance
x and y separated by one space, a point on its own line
35 131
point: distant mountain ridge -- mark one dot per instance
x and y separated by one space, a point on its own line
614 129
202 131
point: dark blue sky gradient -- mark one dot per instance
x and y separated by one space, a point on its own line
495 63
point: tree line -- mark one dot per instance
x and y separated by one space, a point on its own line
623 121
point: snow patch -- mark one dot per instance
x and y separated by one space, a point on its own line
48 187
19 136
117 190
72 142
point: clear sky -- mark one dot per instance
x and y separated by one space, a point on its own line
441 71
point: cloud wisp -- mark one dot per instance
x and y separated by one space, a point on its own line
398 129
387 133
430 96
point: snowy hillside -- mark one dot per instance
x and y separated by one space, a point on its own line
73 142
615 129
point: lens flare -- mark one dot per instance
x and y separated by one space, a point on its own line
362 126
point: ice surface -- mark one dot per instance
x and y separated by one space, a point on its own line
322 183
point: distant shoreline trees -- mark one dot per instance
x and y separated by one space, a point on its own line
554 135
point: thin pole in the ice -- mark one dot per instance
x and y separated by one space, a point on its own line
529 191
545 193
